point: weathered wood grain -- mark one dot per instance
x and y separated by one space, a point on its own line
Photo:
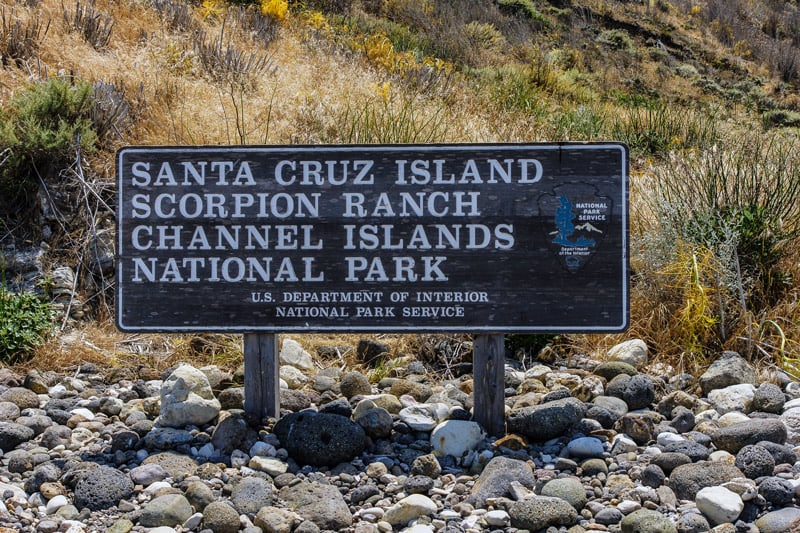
488 373
261 376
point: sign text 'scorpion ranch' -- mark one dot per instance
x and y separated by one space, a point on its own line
493 238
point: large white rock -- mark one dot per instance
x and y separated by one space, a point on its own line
791 419
719 504
187 399
456 437
293 377
419 417
497 518
408 509
294 354
732 417
56 503
732 398
19 494
633 352
271 466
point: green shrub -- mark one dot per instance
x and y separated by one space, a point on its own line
617 40
581 123
384 121
511 87
485 36
743 203
25 322
525 8
660 127
780 118
45 125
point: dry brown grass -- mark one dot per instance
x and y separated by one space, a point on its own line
315 81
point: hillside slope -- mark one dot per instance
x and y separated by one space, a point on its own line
673 79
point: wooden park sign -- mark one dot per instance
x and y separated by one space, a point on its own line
484 239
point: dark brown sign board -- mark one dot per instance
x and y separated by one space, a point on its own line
473 238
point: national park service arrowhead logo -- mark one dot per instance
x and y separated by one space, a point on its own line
580 219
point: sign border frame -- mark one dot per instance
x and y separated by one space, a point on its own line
422 148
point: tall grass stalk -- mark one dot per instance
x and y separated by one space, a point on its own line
657 128
385 122
740 200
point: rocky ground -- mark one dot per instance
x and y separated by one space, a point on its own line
590 446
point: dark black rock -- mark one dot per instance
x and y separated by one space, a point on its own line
144 389
377 423
363 492
669 461
558 394
653 476
320 439
612 369
750 512
734 437
369 351
769 398
755 461
694 450
605 417
698 437
339 406
124 440
102 488
777 491
686 480
546 421
418 484
13 434
44 473
682 419
230 432
780 452
637 391
608 516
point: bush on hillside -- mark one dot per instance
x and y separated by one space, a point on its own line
741 203
525 8
780 118
25 322
617 40
40 133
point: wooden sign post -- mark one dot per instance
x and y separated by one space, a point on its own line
483 239
261 376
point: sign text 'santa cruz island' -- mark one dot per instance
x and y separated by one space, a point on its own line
474 238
